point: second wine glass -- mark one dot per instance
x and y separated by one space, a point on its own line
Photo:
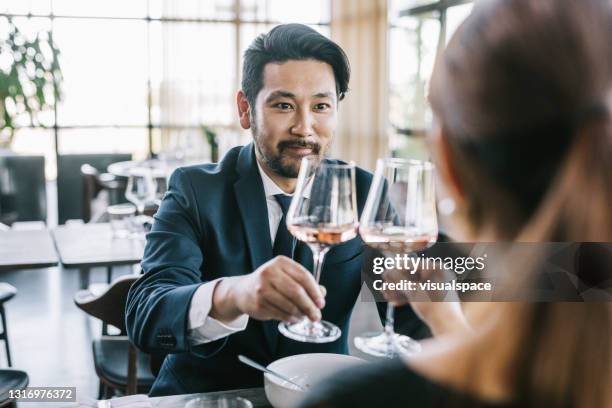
323 213
399 217
141 188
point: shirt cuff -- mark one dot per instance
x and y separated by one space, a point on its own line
203 328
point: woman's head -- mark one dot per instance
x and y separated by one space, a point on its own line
523 99
522 96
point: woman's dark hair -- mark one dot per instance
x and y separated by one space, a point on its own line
523 94
292 42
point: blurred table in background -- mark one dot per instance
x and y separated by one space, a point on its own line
93 245
26 250
257 396
159 168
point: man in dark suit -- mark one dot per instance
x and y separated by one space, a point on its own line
216 279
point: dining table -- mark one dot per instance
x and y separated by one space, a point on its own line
87 246
26 249
158 167
257 396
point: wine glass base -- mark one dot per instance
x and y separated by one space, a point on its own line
310 332
381 344
140 226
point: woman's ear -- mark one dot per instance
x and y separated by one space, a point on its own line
244 110
446 164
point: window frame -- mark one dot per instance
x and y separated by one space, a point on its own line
150 127
440 8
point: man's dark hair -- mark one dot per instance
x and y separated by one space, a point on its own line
292 42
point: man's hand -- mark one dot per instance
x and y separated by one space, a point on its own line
280 289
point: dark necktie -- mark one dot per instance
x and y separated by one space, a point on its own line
283 242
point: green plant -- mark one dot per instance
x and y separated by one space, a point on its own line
211 138
30 78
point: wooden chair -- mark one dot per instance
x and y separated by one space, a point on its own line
118 363
11 380
22 189
94 183
69 182
94 207
7 292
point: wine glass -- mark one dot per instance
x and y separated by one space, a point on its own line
323 213
399 217
141 188
160 181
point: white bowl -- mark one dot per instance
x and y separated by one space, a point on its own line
304 369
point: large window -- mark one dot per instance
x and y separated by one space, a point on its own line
143 76
418 30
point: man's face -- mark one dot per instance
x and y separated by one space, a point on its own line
295 114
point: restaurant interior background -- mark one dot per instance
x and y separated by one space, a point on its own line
154 78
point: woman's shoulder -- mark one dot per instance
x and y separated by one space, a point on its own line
389 383
371 384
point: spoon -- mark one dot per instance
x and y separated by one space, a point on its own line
251 363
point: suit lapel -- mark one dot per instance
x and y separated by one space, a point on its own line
251 201
303 255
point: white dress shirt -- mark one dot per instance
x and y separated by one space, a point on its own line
202 327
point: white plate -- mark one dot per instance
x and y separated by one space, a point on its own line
306 370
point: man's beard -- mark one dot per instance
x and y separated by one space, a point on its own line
274 161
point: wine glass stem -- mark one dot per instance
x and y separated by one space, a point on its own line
318 255
389 331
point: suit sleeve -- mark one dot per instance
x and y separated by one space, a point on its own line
157 309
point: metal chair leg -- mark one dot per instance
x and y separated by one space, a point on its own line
83 278
109 279
109 392
5 335
109 274
101 390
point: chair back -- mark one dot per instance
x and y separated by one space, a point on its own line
22 189
108 306
69 184
94 183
